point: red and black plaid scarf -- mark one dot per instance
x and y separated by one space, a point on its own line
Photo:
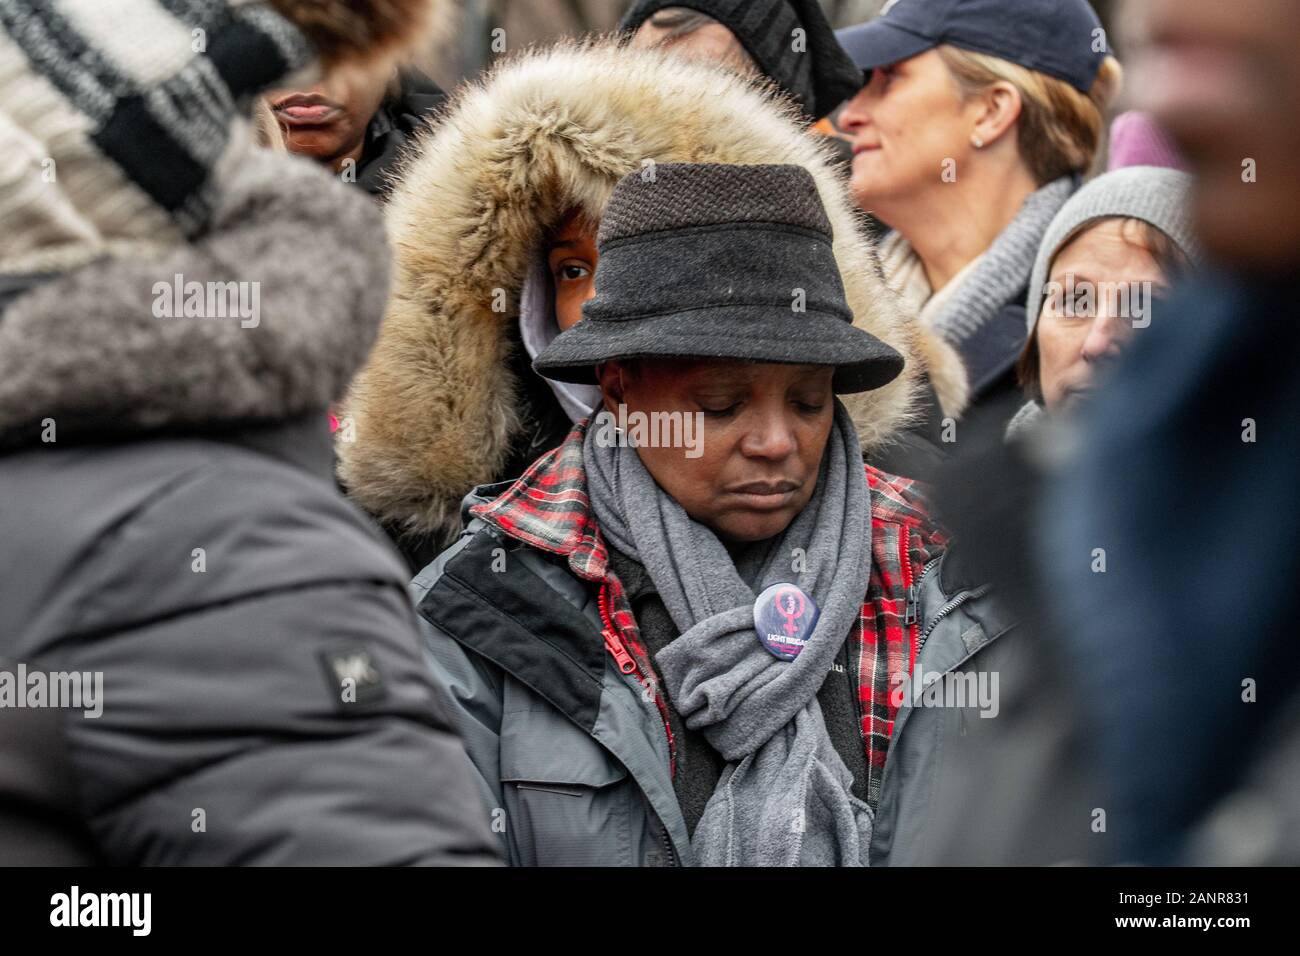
903 541
548 509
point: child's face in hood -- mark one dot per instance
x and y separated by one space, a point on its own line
572 259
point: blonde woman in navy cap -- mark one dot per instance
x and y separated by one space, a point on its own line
976 123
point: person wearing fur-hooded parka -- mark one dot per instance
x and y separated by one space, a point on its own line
448 400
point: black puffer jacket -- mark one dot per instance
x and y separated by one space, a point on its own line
170 528
394 126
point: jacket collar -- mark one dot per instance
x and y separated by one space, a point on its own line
304 442
548 508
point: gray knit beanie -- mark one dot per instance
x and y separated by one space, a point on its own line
1154 195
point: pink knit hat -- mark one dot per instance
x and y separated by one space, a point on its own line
1136 140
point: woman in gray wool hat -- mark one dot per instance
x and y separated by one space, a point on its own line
1104 263
687 634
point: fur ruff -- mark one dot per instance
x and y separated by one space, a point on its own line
435 410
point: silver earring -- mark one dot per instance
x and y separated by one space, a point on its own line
977 142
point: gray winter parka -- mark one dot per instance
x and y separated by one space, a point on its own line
249 688
572 759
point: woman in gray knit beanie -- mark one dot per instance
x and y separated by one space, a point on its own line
1114 246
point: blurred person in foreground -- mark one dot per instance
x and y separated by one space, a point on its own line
1189 470
969 135
207 656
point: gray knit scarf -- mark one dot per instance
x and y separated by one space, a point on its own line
1003 270
784 797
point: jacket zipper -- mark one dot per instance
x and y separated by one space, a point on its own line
914 593
911 615
668 844
627 665
913 603
948 608
613 644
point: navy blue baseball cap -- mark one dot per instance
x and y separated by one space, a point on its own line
1058 37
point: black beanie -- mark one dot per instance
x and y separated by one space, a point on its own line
819 79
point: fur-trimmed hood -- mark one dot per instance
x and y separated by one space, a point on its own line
436 410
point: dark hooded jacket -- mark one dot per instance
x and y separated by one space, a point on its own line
1186 479
394 127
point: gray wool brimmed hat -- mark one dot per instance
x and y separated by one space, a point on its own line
1161 197
717 261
